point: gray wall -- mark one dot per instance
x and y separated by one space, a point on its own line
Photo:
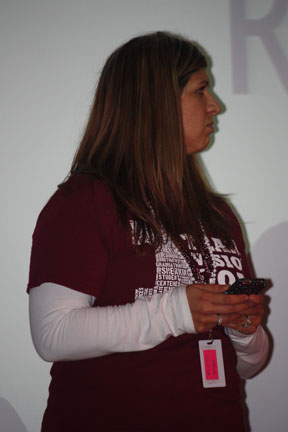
51 53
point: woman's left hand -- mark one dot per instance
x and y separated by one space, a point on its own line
251 318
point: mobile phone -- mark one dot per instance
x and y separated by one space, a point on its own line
246 286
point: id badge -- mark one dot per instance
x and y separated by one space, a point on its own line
212 365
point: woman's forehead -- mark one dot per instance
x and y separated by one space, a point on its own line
199 77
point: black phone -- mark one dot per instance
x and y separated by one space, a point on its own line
246 286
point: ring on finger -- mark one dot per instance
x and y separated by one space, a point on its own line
219 319
248 321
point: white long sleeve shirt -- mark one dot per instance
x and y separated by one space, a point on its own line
65 326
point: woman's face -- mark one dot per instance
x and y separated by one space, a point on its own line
198 108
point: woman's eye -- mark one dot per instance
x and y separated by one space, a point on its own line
201 90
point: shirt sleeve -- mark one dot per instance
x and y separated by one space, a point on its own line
64 326
71 243
251 350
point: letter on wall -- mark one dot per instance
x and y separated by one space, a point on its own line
264 28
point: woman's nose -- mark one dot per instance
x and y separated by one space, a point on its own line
213 106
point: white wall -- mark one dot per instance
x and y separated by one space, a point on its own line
50 54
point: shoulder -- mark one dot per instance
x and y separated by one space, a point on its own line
81 195
234 223
229 213
83 189
74 236
82 208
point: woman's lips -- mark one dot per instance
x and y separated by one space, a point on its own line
210 126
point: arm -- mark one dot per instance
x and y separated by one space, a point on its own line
252 350
251 343
64 326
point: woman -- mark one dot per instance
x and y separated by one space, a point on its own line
132 254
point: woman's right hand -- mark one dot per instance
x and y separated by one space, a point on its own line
207 301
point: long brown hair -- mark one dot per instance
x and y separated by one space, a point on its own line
134 141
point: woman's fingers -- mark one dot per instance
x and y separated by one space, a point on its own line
248 323
215 288
256 299
207 303
204 323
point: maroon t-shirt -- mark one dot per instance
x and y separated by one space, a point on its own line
79 242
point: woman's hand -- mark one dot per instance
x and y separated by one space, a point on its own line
207 303
253 314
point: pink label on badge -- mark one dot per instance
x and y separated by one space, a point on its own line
210 362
